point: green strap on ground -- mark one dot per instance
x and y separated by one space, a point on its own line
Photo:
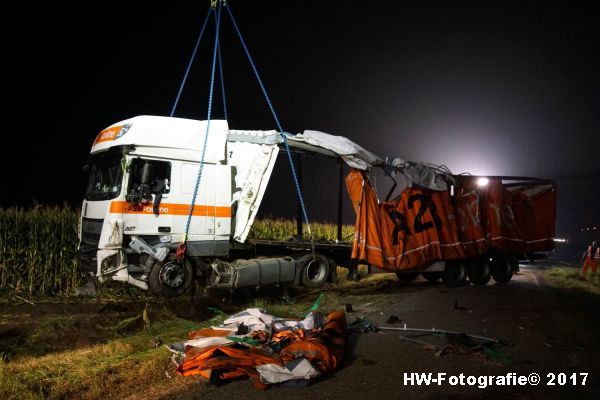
315 305
246 340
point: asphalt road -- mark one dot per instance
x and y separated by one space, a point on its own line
550 332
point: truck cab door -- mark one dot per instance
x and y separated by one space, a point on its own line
202 224
253 164
147 210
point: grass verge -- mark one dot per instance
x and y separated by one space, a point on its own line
570 278
112 370
132 363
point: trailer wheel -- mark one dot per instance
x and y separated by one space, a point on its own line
480 271
433 276
315 272
502 269
455 273
407 276
171 279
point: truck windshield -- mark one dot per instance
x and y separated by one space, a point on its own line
106 175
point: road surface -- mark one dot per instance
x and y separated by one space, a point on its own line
550 332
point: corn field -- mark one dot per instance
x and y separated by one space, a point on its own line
38 249
38 246
283 229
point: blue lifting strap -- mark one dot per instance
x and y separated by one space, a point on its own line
279 127
181 251
189 66
217 58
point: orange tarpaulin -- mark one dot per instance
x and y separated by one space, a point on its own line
469 219
521 219
424 225
324 348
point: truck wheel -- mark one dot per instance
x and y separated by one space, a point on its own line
502 269
171 279
407 276
315 272
480 271
455 273
433 276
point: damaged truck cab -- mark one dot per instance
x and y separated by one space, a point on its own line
143 174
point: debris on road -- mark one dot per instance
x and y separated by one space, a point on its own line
393 319
265 348
568 343
441 331
455 342
362 325
461 308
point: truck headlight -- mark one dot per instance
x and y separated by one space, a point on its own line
123 130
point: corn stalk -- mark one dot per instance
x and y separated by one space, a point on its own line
38 249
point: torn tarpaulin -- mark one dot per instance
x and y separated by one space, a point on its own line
299 368
272 350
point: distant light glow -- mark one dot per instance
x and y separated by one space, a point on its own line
590 228
561 240
481 182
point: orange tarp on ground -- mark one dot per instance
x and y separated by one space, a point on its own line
424 225
324 348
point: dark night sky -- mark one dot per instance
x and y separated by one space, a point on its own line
488 88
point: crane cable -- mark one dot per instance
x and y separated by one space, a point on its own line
279 127
217 6
181 250
189 66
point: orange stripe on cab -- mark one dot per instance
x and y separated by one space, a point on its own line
123 207
107 134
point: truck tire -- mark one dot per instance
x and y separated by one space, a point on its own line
455 273
171 279
407 276
315 272
502 269
480 271
433 276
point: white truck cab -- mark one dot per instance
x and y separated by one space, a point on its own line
143 174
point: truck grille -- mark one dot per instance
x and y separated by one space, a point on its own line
90 237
